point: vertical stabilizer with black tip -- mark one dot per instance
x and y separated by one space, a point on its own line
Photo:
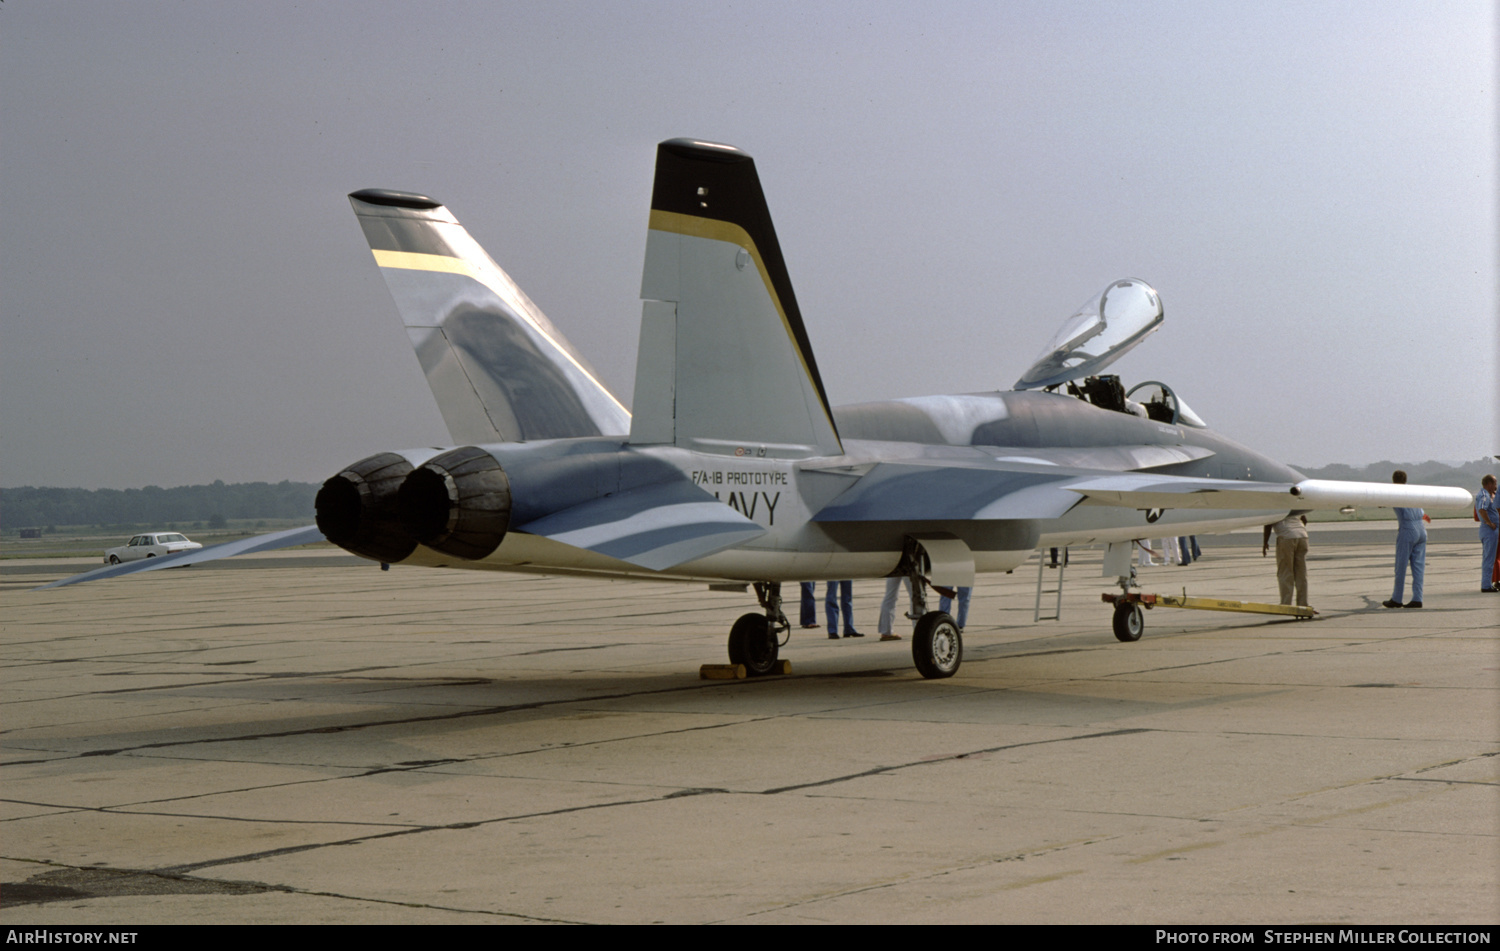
498 368
725 364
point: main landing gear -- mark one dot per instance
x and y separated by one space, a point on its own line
755 639
937 644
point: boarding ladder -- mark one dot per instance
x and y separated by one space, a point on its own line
1049 562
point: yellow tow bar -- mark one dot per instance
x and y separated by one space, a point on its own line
1206 604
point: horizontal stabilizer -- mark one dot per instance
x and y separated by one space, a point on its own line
271 541
894 491
499 369
657 526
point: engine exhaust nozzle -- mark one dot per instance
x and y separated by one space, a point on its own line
457 503
356 509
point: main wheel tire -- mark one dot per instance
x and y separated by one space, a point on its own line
752 642
937 646
1130 621
114 559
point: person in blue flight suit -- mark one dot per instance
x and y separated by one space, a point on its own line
1411 551
945 604
840 594
1489 531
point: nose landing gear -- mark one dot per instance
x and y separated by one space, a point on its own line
1129 621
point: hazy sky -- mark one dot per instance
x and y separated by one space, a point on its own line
185 295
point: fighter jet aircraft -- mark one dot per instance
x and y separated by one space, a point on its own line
735 469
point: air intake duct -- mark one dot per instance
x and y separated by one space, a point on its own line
357 509
457 503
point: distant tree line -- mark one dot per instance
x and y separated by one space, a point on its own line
1465 475
30 507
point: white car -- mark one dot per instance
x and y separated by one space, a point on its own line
149 546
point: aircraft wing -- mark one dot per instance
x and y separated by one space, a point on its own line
917 492
271 541
898 491
656 526
1143 490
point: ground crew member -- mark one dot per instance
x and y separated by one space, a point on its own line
1489 531
1411 550
1291 556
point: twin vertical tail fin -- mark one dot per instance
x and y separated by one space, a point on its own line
725 363
498 368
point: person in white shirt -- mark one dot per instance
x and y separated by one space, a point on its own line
1291 556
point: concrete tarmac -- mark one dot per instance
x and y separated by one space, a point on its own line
314 743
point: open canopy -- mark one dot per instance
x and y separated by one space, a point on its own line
1099 333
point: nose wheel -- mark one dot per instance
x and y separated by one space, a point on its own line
1129 622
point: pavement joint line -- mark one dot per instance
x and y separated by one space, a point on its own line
1324 818
951 757
572 746
1340 787
269 887
372 771
227 679
559 650
371 724
1041 879
1251 833
1193 847
676 794
1019 855
445 827
410 904
122 806
132 807
1316 649
1456 762
127 809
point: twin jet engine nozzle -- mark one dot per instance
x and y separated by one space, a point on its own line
457 503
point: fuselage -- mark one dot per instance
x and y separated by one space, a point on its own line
1029 435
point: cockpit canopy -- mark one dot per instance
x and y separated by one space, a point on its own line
1162 405
1104 329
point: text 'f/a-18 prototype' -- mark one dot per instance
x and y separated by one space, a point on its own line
734 468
